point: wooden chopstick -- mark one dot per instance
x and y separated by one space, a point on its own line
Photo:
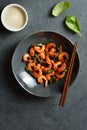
68 77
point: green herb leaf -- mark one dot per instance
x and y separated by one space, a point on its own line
55 58
60 8
65 70
28 71
73 23
39 44
39 60
49 71
57 48
52 80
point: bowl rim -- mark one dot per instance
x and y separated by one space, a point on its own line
21 42
20 7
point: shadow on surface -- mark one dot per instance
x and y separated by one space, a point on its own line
3 30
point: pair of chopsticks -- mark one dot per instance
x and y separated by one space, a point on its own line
68 77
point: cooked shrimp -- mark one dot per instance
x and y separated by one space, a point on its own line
30 61
39 49
56 65
37 72
42 78
52 52
59 75
62 68
37 66
41 55
63 56
61 48
26 57
31 51
47 67
59 66
30 66
48 76
48 60
49 46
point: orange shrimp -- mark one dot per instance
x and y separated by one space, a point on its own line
47 67
37 72
49 46
30 66
26 57
59 75
37 66
48 60
62 68
52 52
56 65
59 66
63 56
31 51
42 78
61 48
39 49
48 76
41 55
30 61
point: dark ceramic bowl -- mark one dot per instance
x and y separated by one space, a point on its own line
26 81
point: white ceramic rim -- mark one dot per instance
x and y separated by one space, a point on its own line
23 9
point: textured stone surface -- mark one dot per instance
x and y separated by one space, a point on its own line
22 111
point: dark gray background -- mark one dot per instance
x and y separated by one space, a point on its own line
22 111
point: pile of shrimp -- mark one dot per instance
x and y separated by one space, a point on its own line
46 62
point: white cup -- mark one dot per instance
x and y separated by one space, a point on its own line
14 17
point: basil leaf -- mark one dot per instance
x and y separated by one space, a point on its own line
60 8
73 23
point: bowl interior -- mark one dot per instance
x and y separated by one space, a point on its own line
27 81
